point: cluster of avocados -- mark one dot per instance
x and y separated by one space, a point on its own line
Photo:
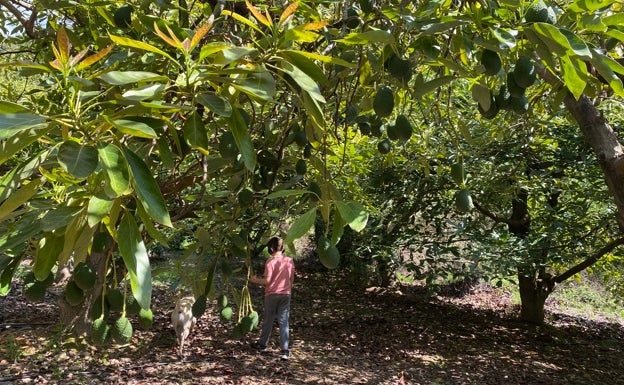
399 130
121 330
512 96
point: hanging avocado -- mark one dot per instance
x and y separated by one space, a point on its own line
491 61
463 201
383 103
123 16
403 128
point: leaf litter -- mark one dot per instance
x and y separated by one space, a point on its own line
341 333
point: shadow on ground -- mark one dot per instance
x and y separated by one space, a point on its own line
341 334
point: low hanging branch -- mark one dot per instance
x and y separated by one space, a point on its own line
589 261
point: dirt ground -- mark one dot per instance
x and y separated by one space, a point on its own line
341 333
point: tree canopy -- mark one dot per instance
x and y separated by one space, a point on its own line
486 124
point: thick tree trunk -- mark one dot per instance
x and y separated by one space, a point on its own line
533 295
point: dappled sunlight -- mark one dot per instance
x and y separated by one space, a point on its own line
340 335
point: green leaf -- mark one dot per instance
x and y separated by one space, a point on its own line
504 37
573 76
148 225
19 197
607 68
438 26
11 108
337 228
303 80
10 181
82 244
11 124
315 113
242 139
210 279
164 150
135 127
592 23
463 129
308 66
19 234
243 20
301 226
353 213
21 140
195 132
233 54
542 49
215 103
301 35
561 40
120 78
576 44
147 189
287 193
50 246
590 5
72 233
210 49
130 43
550 36
151 91
482 95
135 258
59 217
260 86
616 19
80 161
115 170
368 37
432 85
7 275
97 209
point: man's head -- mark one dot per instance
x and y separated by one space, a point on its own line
275 244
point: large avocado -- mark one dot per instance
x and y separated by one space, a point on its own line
491 61
383 103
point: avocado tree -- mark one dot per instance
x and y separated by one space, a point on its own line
144 114
498 52
138 122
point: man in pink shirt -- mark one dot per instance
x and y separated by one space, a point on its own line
279 275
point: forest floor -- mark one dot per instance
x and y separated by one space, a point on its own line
341 333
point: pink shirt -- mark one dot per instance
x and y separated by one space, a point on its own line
279 272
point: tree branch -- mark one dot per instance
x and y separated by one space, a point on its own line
488 213
589 261
27 22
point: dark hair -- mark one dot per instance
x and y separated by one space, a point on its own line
275 244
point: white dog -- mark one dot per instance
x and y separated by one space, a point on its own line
183 320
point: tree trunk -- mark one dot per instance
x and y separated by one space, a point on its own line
605 144
533 295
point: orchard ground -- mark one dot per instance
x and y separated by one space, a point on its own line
342 333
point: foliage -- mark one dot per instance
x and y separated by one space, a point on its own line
255 120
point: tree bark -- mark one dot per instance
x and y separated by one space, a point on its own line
605 145
533 294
